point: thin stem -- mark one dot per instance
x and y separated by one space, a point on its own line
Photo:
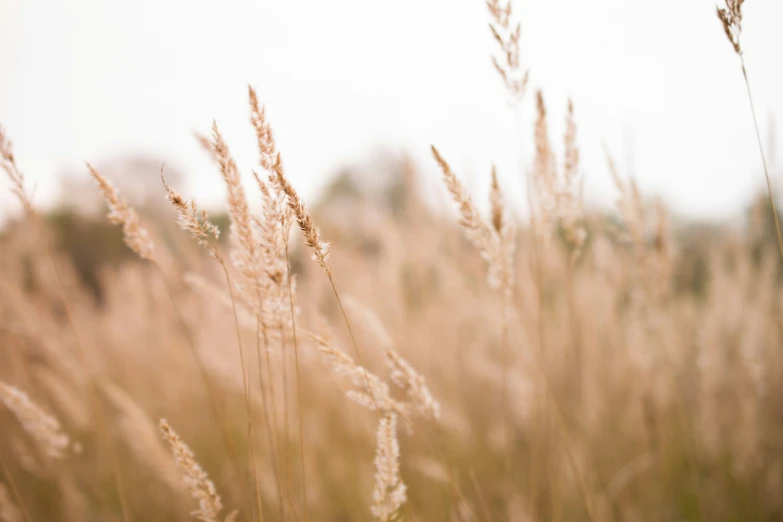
214 400
251 440
581 485
253 457
453 482
18 179
505 403
286 463
298 385
103 432
274 446
353 340
763 159
480 494
576 334
286 422
439 454
690 442
15 490
505 354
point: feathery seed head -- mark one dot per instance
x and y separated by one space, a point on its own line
311 233
507 35
390 491
8 163
190 219
419 397
135 235
201 488
731 19
42 427
243 235
369 390
486 240
570 200
267 147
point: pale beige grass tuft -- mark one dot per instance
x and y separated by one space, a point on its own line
136 236
40 426
201 488
389 493
483 236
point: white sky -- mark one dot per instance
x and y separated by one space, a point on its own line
657 81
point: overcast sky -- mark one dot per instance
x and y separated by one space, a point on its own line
87 80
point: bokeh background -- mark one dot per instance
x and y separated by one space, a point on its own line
616 359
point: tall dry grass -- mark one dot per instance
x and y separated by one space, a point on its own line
568 365
731 19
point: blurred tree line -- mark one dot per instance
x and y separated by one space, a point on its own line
385 185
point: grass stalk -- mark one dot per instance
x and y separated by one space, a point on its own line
298 383
770 193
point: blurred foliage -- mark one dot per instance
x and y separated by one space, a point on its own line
91 242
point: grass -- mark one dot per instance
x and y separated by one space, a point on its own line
571 365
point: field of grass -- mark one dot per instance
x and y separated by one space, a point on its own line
377 359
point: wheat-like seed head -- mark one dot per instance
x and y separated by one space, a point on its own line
311 233
274 228
414 384
286 214
267 148
469 216
271 161
273 231
731 19
544 173
504 231
389 493
558 193
135 235
486 240
8 162
6 148
507 36
419 397
571 195
206 145
191 219
369 390
278 216
201 488
244 238
42 427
